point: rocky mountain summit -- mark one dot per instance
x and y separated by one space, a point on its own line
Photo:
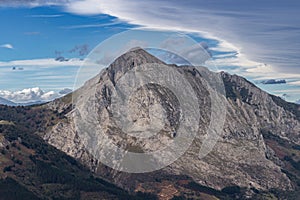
259 133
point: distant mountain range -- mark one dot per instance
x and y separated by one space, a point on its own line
10 103
6 102
273 81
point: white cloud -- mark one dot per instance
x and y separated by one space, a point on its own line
47 62
32 3
7 46
259 31
270 36
237 60
265 32
91 25
264 36
49 74
297 83
287 91
88 7
263 71
32 33
46 16
28 95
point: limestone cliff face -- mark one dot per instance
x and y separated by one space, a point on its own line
240 157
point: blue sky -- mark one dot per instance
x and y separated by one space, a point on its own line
39 32
256 39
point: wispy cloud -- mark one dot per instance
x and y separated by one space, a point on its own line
45 16
261 37
32 3
264 32
261 31
47 73
32 33
297 83
91 25
7 46
46 62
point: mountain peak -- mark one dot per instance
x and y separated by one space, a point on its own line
136 56
251 149
132 58
136 48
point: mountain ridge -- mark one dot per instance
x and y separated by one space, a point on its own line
246 103
257 153
6 102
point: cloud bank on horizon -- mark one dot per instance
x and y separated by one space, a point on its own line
28 95
31 95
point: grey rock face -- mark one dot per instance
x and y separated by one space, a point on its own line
3 141
240 156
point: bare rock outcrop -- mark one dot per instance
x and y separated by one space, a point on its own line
240 157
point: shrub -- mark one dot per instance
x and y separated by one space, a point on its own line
231 190
7 169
